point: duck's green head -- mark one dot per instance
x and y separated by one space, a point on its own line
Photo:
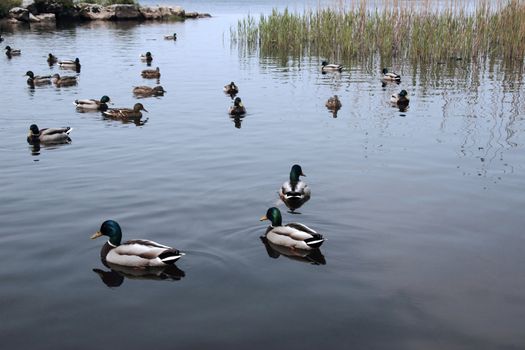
385 70
30 74
111 229
403 93
77 61
148 54
237 102
274 215
51 56
8 48
139 107
324 63
295 173
33 130
104 99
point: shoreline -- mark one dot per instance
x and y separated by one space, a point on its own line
50 13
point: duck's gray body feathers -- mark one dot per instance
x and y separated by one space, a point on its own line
294 235
140 253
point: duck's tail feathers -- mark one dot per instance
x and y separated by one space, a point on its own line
68 131
170 256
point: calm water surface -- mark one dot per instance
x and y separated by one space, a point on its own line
422 210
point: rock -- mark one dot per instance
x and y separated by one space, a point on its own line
45 17
192 14
161 12
204 15
123 12
95 12
20 14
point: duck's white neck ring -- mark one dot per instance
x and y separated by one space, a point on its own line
111 244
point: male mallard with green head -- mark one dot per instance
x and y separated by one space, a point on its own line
294 192
36 80
70 64
64 81
237 108
151 73
93 104
390 76
147 57
146 91
171 37
48 135
401 99
12 52
138 253
330 67
292 235
125 113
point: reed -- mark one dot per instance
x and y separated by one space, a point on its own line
425 31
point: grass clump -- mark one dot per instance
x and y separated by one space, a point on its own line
425 32
6 5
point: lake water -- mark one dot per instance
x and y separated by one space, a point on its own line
422 210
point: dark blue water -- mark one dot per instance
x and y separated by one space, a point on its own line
422 210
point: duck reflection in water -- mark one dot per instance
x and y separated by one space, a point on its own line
314 256
116 275
237 120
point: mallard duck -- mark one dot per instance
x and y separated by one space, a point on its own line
51 59
124 113
294 193
146 57
333 103
292 235
139 253
151 73
35 80
330 67
1 39
171 37
70 64
48 135
12 52
390 76
237 108
64 81
231 88
401 99
146 91
93 104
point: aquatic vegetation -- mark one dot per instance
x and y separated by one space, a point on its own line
6 5
428 31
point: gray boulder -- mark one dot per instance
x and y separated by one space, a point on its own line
42 18
161 12
123 12
95 12
20 14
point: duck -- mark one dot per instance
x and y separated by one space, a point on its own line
294 192
1 39
401 99
48 135
313 256
139 253
330 67
151 73
12 52
390 76
146 57
292 235
36 80
70 64
237 108
51 59
171 37
146 91
124 113
231 88
333 103
93 104
64 81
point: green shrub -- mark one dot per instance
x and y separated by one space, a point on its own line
6 5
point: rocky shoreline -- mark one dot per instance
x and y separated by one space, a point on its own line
50 12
